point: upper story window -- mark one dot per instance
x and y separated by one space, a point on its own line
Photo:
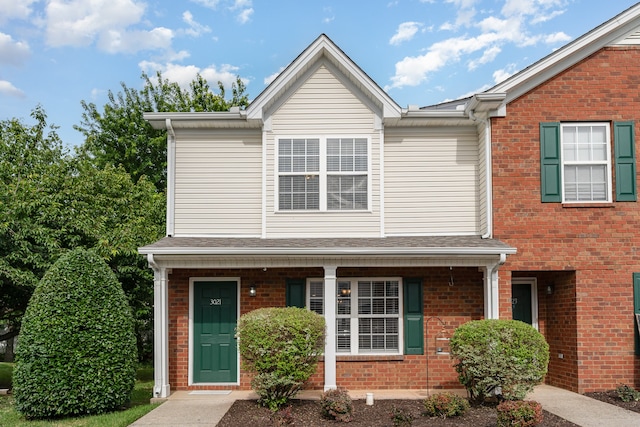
584 162
323 174
586 159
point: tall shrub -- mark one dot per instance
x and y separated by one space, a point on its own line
281 346
77 348
502 357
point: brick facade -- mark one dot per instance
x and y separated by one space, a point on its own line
446 306
588 252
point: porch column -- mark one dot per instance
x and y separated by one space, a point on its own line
161 387
330 319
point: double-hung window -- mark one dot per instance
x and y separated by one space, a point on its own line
578 164
368 314
586 157
323 174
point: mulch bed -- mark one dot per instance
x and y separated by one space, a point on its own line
307 413
611 397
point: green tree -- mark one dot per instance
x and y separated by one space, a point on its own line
51 202
119 135
77 352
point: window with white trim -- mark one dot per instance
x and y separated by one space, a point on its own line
336 180
368 314
586 162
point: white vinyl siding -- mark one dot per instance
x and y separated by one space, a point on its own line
432 181
323 107
482 179
218 183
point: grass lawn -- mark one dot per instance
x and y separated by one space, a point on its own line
138 407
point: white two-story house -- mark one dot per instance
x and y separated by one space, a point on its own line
325 194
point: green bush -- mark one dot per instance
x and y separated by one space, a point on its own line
77 348
445 405
281 346
499 357
627 393
520 413
401 417
336 404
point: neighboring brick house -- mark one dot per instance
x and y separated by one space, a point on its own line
565 195
399 225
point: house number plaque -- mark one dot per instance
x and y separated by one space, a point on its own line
215 301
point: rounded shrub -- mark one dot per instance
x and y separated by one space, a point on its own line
520 413
336 404
445 405
77 348
282 347
499 357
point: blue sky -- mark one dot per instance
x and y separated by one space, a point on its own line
59 52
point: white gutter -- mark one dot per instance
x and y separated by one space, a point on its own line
171 175
329 251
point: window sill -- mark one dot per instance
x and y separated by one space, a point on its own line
589 205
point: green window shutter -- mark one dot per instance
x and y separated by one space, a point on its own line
550 163
636 310
413 317
296 295
624 143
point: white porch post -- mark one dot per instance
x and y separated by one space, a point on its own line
330 319
161 387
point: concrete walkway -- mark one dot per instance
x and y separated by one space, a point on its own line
186 409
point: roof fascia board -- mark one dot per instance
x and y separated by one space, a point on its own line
159 120
621 25
328 251
322 46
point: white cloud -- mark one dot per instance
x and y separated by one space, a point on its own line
267 80
501 75
105 22
115 41
514 25
488 56
195 28
6 88
211 4
245 15
15 9
185 74
405 32
13 52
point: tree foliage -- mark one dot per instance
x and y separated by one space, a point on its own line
77 352
499 357
51 202
119 135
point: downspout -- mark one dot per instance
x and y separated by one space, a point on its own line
491 295
489 173
161 387
171 174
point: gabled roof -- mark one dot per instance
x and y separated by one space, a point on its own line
612 32
323 49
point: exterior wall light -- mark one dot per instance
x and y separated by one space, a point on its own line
252 291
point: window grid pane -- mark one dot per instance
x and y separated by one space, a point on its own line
586 169
316 296
378 314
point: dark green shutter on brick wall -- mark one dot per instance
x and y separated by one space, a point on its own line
624 142
296 295
413 317
550 163
636 310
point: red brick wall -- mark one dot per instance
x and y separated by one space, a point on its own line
445 308
589 252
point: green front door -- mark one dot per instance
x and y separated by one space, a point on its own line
215 307
521 302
